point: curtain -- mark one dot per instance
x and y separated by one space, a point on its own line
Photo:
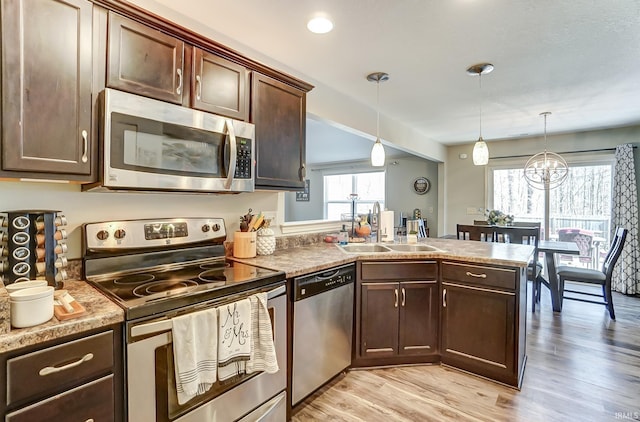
624 213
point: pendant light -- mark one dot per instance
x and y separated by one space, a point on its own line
545 170
480 150
377 152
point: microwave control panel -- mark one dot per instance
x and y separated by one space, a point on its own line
244 160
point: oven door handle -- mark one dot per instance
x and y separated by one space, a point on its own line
166 324
233 154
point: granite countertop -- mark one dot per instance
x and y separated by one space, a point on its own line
317 257
100 312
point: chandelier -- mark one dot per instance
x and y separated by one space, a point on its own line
545 170
480 150
377 152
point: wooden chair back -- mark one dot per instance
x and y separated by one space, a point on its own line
614 252
473 232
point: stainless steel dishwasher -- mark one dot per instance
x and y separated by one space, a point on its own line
322 328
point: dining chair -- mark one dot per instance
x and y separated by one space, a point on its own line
472 232
600 277
525 236
582 238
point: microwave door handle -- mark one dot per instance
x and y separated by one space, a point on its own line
233 153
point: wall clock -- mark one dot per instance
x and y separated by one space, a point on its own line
421 185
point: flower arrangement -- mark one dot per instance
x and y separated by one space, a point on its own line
498 218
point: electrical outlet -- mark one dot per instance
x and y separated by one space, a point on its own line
471 210
269 215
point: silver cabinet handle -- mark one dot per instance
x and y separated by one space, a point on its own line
404 297
444 298
85 146
198 87
396 304
470 274
233 154
52 370
179 88
303 172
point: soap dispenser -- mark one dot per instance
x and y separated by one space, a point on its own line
343 236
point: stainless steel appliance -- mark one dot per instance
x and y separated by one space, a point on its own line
33 246
151 145
162 268
322 328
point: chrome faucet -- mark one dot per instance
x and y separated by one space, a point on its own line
376 215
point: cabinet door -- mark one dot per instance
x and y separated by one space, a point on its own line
219 86
278 111
46 87
144 61
379 319
478 330
419 310
93 401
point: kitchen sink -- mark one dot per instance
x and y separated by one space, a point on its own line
387 247
363 248
412 248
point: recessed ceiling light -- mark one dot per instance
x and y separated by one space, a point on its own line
320 25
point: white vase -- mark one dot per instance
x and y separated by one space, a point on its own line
266 242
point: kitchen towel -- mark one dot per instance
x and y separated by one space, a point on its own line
195 352
234 338
263 351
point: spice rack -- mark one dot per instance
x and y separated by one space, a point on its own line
33 246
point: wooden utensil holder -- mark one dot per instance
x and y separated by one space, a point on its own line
244 245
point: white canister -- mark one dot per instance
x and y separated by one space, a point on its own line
266 242
32 306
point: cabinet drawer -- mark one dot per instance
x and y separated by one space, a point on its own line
477 274
394 271
93 401
70 364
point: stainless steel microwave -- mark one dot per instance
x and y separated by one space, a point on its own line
152 145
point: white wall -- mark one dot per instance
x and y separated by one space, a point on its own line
466 183
84 207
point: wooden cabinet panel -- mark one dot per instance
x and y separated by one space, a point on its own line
278 112
504 278
419 311
144 61
404 270
46 88
397 318
379 319
90 402
50 370
478 329
219 86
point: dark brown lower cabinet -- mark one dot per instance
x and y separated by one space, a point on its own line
396 317
483 320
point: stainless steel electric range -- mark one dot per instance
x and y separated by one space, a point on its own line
156 269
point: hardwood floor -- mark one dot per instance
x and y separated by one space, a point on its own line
581 367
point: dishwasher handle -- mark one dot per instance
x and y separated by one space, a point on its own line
317 283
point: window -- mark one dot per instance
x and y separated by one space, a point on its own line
338 189
583 201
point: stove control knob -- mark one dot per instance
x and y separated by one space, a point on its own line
206 228
119 234
216 227
102 235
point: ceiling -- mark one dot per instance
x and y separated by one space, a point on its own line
579 59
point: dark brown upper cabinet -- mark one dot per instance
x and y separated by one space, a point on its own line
145 61
278 110
46 89
219 86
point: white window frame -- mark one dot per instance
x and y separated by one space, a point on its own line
353 173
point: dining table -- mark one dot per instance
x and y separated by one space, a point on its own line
550 248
